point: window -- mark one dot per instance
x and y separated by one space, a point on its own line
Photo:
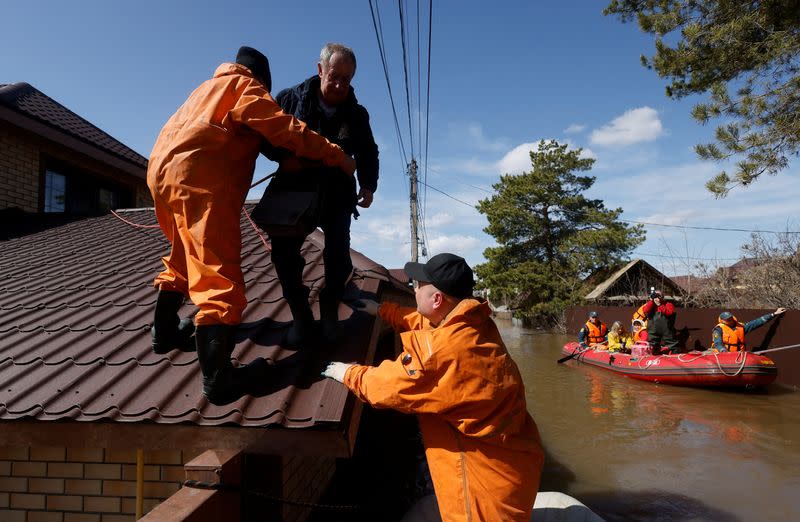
70 190
55 192
107 199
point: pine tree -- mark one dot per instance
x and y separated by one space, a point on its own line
746 56
550 236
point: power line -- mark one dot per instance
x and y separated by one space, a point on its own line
379 37
650 254
427 108
419 84
719 229
437 171
405 73
470 205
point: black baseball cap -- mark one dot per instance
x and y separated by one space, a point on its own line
448 272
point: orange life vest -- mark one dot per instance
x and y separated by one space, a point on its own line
733 338
639 314
597 332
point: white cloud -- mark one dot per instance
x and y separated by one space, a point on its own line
634 126
575 128
456 244
439 219
518 159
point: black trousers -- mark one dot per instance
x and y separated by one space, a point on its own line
661 331
289 262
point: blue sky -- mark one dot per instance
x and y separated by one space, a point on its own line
501 80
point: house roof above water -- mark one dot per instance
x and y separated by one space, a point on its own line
77 302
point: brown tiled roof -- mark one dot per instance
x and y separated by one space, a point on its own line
29 101
76 303
690 283
400 275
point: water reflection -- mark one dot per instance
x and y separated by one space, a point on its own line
634 450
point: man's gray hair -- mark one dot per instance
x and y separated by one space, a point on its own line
332 48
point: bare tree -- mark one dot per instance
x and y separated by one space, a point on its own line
767 276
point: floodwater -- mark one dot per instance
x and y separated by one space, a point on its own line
634 450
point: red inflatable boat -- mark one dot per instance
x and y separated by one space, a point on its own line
730 369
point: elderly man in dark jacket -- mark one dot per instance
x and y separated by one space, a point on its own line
327 104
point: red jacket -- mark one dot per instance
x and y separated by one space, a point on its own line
649 308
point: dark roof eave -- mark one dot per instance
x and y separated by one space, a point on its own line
48 132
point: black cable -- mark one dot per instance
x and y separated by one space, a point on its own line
427 108
405 73
719 229
449 196
379 37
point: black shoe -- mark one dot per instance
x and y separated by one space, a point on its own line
222 383
169 332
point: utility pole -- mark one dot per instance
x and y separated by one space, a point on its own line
412 174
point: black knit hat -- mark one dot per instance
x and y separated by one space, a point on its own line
257 63
448 272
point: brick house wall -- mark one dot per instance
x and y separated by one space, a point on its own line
284 488
57 484
304 479
24 157
19 170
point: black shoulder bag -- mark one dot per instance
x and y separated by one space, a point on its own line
289 207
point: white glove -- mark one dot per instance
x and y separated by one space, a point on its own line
366 305
336 371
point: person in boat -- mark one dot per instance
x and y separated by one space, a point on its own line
640 316
660 315
454 373
639 331
728 335
619 340
593 332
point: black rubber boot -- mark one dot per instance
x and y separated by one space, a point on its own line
303 330
329 314
170 332
222 383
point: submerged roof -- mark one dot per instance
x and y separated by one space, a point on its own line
77 302
32 103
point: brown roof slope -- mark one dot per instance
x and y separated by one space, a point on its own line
28 100
76 303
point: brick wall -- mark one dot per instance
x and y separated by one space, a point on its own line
56 484
304 480
19 171
271 482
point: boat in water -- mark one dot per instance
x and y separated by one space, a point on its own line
727 369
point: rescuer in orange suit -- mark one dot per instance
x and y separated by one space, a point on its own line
482 446
199 174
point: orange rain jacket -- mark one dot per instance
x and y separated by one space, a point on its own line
482 446
199 174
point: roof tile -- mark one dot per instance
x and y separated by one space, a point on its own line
28 100
77 302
